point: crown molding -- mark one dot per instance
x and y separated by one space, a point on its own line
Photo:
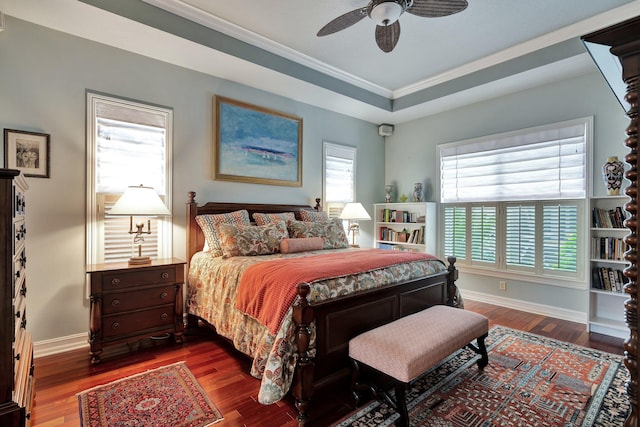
578 29
195 14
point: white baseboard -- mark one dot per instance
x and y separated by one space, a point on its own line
60 345
78 341
530 307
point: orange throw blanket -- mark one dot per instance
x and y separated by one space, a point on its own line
267 289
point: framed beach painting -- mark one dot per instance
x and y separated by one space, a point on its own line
27 151
256 145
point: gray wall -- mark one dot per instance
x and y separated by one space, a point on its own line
43 78
411 155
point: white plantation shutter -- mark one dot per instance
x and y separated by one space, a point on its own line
560 231
455 230
521 235
483 234
117 241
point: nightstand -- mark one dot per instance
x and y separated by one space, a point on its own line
133 302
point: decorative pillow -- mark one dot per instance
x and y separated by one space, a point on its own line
313 215
208 225
249 240
266 218
332 231
289 246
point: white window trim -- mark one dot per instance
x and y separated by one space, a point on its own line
581 281
93 223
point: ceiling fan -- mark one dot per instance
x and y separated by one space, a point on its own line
385 14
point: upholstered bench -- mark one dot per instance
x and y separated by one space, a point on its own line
406 348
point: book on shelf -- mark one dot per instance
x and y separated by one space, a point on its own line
609 248
608 279
415 236
394 215
608 218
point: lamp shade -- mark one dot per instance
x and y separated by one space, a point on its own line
354 211
139 201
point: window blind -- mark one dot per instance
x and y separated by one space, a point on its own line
129 154
339 173
537 164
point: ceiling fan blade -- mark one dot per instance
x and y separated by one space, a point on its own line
387 36
437 8
343 21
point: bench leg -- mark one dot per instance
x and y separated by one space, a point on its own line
401 404
482 350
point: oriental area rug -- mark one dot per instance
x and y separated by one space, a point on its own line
169 396
530 381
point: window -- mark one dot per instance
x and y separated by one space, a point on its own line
515 202
339 171
128 143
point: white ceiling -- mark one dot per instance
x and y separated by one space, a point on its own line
430 52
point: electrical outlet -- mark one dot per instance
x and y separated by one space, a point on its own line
503 285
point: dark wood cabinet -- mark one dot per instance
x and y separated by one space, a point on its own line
623 39
16 346
133 302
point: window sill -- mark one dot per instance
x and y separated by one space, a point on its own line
558 281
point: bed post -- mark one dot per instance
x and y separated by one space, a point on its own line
302 387
192 208
452 289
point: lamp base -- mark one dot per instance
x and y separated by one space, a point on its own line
139 260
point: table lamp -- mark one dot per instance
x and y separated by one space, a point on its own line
139 201
354 212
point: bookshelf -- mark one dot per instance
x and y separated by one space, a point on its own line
406 226
607 248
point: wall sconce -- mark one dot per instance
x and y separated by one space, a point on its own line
139 201
354 212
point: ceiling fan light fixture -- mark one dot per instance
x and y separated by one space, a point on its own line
386 13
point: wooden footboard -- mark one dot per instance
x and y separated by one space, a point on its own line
339 320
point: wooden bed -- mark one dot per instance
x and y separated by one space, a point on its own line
336 320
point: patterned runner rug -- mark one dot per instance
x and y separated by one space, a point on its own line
530 381
169 396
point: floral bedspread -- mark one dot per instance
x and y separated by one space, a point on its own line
211 292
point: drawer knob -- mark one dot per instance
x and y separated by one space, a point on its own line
18 315
17 356
164 316
164 295
115 302
115 281
115 325
165 275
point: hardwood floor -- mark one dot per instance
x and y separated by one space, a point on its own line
224 373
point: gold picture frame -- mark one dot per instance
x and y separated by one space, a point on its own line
28 152
256 145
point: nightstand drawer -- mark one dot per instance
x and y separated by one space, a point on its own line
125 301
147 276
118 325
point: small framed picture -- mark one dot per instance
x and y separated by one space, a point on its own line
27 151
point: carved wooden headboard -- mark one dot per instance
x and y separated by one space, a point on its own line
195 236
